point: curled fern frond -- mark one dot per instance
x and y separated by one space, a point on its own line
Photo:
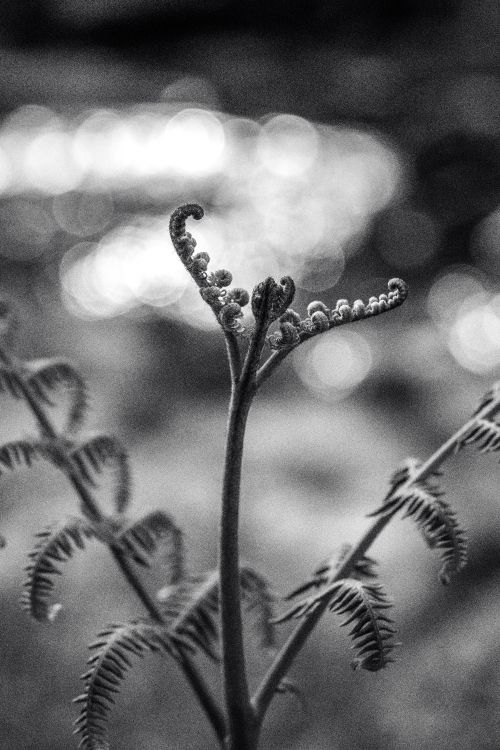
422 501
101 452
108 664
485 435
154 532
365 606
10 382
321 318
47 375
271 300
226 304
55 544
327 572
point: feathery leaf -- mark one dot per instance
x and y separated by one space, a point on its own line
54 544
19 453
365 606
47 375
98 453
327 572
10 382
153 533
436 521
192 609
485 435
108 665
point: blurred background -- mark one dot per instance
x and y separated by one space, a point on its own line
340 142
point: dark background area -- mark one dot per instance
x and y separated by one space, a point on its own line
345 143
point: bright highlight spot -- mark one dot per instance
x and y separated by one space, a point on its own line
474 338
332 367
193 142
288 145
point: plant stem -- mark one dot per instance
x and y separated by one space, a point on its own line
298 637
92 511
233 355
243 729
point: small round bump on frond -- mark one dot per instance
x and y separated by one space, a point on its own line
239 295
317 306
399 288
229 317
345 313
358 309
286 337
212 296
290 316
320 321
221 278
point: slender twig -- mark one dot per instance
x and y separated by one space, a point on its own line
293 645
270 365
241 720
233 355
92 511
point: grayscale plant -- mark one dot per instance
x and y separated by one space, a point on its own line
203 614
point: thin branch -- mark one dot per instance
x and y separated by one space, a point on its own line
233 355
92 511
242 725
298 637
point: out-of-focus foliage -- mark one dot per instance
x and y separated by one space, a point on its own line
341 143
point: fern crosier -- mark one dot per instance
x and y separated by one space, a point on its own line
226 303
422 502
293 330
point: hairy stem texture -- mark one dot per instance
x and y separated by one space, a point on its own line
298 637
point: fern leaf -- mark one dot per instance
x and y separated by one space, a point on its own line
10 382
365 605
18 454
56 543
488 398
258 600
47 375
436 521
192 609
327 572
108 664
485 435
153 532
98 453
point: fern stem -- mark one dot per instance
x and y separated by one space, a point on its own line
242 726
298 637
91 509
270 365
233 355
